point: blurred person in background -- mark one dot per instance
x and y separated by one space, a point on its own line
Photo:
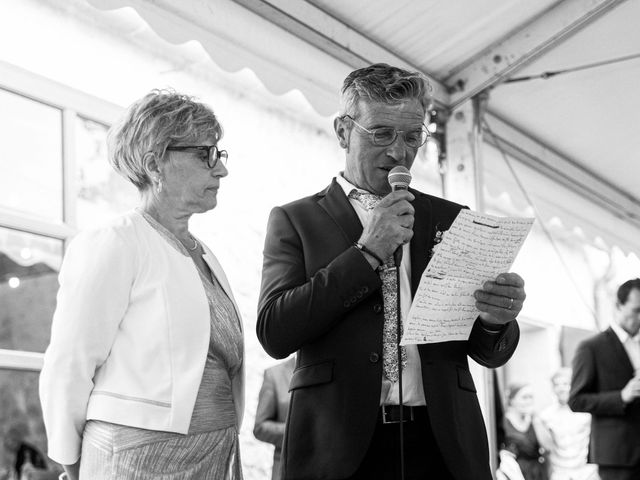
522 436
567 433
273 405
143 377
606 384
24 456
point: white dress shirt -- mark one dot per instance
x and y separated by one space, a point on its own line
412 388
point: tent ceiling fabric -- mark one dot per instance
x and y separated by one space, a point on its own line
236 38
589 117
571 175
435 36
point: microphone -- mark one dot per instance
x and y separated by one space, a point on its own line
399 178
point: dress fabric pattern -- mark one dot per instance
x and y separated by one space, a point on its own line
210 450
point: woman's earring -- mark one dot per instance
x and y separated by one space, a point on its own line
159 186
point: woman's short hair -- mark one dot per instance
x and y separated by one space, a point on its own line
383 83
159 119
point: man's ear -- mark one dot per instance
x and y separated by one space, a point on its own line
342 132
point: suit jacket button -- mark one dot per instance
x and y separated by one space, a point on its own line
346 304
365 289
377 308
374 357
354 299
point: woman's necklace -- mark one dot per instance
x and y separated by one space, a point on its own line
151 218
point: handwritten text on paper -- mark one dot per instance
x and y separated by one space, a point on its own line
475 249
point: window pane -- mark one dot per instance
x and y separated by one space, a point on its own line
21 423
29 266
102 192
30 156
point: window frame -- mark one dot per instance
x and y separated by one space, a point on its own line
73 104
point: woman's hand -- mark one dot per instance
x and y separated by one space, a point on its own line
509 468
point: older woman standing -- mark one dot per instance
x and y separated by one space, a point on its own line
143 377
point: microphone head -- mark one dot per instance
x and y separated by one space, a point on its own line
399 178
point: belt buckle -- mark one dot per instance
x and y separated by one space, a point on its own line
386 420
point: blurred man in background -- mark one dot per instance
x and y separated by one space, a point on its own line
606 384
273 405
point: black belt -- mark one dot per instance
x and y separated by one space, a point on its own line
391 413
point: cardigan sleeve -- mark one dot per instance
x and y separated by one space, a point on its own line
95 284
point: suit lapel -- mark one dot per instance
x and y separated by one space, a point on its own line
619 352
422 238
337 206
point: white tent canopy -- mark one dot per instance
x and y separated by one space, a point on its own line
576 131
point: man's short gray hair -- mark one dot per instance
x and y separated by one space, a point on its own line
382 83
159 119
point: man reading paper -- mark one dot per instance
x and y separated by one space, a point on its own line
325 294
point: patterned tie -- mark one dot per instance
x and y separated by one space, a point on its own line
389 280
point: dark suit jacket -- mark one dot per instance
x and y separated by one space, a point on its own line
273 404
601 369
321 297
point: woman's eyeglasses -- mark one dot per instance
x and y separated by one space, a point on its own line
213 154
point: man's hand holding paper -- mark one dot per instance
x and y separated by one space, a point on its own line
501 300
465 279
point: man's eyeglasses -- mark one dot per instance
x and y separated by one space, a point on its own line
385 136
213 155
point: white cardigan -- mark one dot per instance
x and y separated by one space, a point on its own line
129 337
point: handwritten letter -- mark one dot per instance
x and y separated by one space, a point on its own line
475 249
